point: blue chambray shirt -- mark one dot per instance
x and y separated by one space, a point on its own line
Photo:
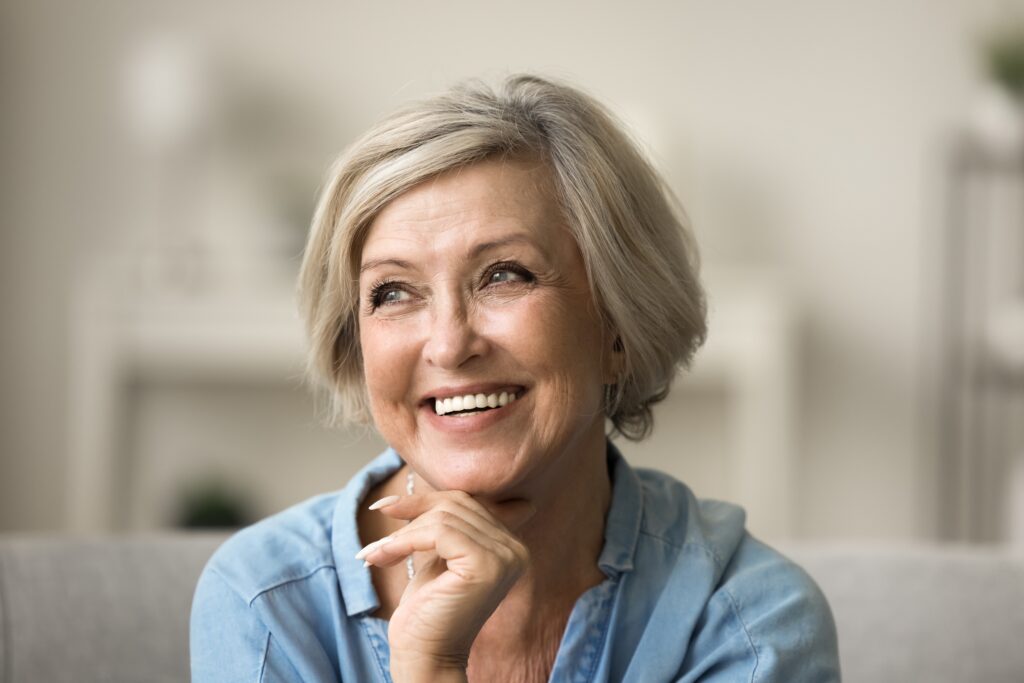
689 596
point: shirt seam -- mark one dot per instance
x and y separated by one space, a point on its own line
746 631
266 655
731 599
605 628
275 586
719 564
372 637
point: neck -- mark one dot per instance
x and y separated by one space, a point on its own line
565 537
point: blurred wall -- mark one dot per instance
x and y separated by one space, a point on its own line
801 135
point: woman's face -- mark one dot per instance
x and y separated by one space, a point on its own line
471 284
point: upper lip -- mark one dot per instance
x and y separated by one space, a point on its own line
484 388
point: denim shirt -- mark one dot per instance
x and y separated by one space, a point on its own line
689 595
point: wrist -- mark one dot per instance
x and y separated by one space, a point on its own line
427 669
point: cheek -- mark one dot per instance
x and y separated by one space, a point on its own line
386 363
554 336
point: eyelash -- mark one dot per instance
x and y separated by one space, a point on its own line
510 266
378 291
381 288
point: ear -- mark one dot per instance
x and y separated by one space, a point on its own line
614 360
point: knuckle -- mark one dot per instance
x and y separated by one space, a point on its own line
447 531
460 496
522 553
444 517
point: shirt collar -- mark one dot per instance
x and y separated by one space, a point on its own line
356 584
622 526
625 510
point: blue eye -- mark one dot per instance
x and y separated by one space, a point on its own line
387 293
504 276
507 272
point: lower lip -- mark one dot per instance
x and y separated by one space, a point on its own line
473 422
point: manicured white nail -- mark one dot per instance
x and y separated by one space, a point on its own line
384 502
370 547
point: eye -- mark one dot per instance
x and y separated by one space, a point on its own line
507 272
503 276
391 296
387 293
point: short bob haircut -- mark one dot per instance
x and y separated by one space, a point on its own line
640 257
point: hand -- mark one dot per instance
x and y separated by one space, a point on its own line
473 561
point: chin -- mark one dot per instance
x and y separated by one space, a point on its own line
487 474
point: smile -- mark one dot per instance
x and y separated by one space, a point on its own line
473 403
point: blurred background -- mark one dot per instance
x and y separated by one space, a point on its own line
854 173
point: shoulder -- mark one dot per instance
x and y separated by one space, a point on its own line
768 591
288 546
778 612
760 611
673 515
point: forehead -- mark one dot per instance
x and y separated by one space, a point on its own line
488 200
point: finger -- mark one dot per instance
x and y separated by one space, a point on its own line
463 554
425 506
414 505
451 504
511 514
467 520
437 521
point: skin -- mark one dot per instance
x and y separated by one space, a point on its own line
508 516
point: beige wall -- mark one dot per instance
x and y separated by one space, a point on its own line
802 135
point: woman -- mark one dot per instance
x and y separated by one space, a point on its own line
491 277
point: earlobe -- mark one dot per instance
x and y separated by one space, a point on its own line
615 362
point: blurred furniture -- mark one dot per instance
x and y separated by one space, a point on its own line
100 609
981 475
116 609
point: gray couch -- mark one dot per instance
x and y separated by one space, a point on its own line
116 609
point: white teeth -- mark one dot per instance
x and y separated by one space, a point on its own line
472 401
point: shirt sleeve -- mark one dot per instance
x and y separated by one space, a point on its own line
772 630
228 642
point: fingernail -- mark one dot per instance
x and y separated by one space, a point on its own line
370 547
385 501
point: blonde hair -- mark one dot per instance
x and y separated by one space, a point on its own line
640 257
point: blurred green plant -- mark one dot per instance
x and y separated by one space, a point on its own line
212 503
1004 56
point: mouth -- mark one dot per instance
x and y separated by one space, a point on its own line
460 404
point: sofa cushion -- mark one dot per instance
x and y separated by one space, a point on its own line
116 609
98 609
922 612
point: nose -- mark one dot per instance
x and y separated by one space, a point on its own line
454 337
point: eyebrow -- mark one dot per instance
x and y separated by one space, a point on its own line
375 263
504 241
473 253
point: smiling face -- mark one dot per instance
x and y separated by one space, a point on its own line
471 284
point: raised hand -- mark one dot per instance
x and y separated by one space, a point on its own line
472 560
